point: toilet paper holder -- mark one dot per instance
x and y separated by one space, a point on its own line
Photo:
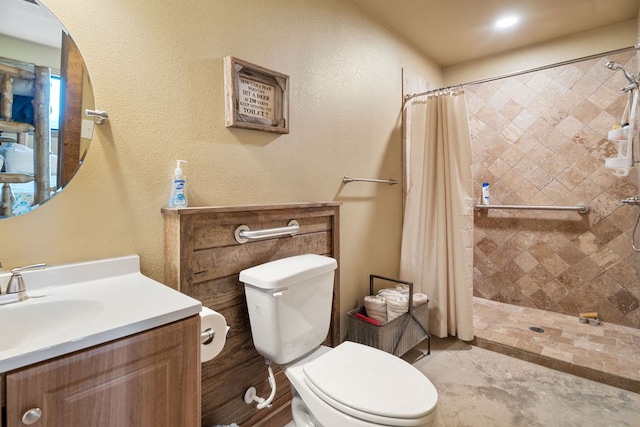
207 336
213 333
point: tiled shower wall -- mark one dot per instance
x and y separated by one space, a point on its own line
541 139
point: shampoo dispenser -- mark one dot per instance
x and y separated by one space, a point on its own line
178 198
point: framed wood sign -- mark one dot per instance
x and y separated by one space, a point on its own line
255 98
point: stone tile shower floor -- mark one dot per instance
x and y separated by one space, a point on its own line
608 353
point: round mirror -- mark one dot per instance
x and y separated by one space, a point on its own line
44 91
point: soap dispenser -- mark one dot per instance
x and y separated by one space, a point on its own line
178 198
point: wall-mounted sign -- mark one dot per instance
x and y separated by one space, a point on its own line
255 98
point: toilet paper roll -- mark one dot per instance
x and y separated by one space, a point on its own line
212 321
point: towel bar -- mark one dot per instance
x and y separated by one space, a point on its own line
348 179
583 209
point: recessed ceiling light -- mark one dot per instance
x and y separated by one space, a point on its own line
507 21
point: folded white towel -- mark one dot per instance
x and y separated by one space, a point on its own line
419 299
391 303
376 308
397 301
396 307
392 293
18 158
403 289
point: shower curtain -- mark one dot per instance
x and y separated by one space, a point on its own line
437 234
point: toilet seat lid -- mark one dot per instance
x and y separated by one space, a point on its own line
371 381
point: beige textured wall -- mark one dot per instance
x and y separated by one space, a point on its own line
156 67
30 52
612 37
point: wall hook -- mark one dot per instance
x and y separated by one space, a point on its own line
100 116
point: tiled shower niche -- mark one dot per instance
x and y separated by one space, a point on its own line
541 139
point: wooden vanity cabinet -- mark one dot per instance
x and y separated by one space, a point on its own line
148 379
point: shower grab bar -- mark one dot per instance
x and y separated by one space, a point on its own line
348 179
583 209
243 233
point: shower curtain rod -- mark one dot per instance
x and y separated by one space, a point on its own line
517 73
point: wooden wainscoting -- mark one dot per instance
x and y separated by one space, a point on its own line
203 260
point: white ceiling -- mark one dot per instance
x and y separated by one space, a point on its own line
42 28
454 31
448 31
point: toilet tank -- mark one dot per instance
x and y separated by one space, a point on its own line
289 303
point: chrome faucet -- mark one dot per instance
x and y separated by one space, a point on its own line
16 289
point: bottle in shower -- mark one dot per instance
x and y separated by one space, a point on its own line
178 198
485 193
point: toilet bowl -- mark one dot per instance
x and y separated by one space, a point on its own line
359 386
351 385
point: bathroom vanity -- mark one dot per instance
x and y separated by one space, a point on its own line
147 376
103 345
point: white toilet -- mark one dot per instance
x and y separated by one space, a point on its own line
289 303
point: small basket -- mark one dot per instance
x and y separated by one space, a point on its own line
397 336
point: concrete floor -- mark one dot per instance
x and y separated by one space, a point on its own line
482 388
478 387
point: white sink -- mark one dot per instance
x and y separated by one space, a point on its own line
76 306
40 318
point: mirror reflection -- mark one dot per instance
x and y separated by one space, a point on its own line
44 88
